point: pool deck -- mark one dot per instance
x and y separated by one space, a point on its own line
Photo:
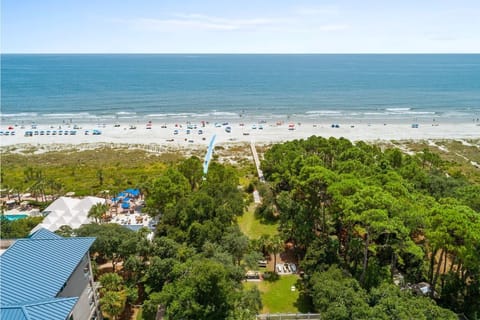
18 212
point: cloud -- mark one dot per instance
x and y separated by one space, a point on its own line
199 22
316 11
333 27
191 22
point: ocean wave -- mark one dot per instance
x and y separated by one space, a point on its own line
398 109
323 112
122 113
375 113
69 115
156 115
171 115
404 113
224 114
18 115
105 116
128 117
413 112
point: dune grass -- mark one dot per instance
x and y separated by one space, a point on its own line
253 227
456 155
79 170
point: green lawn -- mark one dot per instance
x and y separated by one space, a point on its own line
277 296
139 315
253 227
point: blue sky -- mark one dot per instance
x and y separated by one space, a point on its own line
247 26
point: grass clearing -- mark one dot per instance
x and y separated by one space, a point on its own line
139 315
253 227
277 296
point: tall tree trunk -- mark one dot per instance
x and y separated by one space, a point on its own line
437 273
445 260
454 261
394 262
432 266
465 274
346 257
459 270
324 221
275 263
365 258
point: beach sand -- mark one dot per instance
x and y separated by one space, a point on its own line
163 134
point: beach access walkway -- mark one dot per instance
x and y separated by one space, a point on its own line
257 161
208 156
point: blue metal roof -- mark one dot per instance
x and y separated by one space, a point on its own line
44 234
13 313
36 269
54 309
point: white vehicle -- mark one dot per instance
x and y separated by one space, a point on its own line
293 267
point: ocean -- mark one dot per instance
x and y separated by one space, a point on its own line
107 88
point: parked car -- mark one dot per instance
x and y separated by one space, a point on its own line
262 263
293 267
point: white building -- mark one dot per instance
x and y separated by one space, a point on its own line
68 211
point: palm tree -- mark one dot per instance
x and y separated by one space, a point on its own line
276 245
56 188
112 304
97 211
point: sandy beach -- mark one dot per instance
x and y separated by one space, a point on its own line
178 134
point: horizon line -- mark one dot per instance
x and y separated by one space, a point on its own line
235 53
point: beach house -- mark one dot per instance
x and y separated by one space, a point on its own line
48 277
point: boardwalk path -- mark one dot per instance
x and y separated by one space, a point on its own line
257 161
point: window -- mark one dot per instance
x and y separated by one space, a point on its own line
86 271
92 302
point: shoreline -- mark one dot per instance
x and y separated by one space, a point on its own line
176 134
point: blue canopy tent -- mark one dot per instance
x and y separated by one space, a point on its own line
125 205
122 194
133 192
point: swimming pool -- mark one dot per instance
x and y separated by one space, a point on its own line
13 217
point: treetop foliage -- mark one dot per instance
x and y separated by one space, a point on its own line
376 213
